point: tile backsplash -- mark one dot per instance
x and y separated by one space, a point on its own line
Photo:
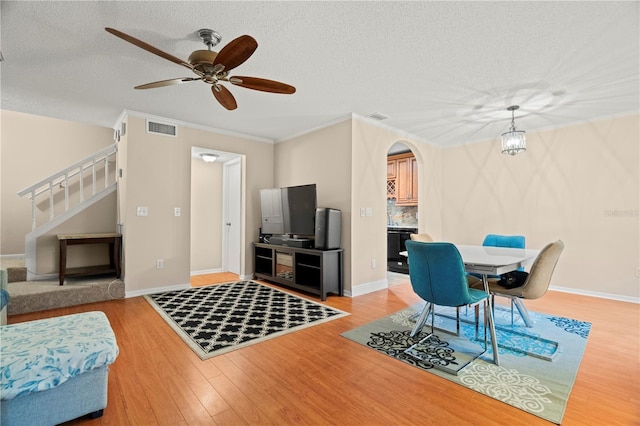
402 216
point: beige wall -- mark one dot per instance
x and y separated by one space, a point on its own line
99 217
31 149
579 184
158 176
348 163
206 216
322 157
371 143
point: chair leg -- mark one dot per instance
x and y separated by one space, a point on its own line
492 329
524 313
417 328
477 312
511 304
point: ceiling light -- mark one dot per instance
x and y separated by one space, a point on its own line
513 141
208 157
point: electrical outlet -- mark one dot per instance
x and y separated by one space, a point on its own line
159 264
177 211
373 264
362 211
369 212
142 211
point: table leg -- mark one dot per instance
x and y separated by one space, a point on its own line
62 266
492 328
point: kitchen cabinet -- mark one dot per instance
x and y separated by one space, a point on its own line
391 168
404 186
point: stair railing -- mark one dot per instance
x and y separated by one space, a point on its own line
63 178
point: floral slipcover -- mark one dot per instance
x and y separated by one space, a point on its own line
40 355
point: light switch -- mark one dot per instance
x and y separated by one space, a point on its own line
362 211
369 212
177 211
142 211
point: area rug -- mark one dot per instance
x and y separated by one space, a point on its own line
538 384
213 320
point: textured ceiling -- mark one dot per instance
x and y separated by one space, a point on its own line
444 72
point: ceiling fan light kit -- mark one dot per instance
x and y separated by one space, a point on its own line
213 67
513 141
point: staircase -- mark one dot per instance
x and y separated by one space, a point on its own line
55 200
15 268
64 194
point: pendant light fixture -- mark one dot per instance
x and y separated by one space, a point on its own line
513 141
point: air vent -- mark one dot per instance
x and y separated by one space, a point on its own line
378 116
161 128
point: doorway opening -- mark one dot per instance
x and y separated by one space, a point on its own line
216 214
402 205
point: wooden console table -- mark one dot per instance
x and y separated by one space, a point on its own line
113 239
313 271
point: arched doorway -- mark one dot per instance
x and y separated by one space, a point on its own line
402 206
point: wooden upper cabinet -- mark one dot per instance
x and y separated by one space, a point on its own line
406 179
391 169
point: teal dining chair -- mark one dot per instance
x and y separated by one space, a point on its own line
509 241
437 275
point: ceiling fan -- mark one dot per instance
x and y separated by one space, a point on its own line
213 67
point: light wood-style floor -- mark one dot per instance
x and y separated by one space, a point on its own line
316 377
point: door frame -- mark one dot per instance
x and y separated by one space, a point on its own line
232 183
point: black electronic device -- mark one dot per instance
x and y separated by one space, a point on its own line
283 240
328 228
289 210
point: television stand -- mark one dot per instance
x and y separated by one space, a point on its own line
313 271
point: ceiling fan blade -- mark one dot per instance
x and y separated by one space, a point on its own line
224 96
236 52
262 84
149 48
169 82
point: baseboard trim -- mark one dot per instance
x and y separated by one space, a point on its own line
136 293
12 256
597 294
206 271
366 288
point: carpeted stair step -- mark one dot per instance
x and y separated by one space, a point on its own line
16 274
35 296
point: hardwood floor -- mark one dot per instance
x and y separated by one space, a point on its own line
315 376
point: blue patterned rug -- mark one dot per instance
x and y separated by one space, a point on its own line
538 382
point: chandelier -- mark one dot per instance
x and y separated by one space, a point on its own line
513 141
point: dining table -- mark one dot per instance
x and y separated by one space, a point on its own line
489 260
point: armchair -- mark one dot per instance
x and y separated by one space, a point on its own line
537 282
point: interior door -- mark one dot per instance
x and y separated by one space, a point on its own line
231 221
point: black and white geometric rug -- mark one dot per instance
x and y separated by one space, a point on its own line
221 318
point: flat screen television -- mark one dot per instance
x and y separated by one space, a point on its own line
289 211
